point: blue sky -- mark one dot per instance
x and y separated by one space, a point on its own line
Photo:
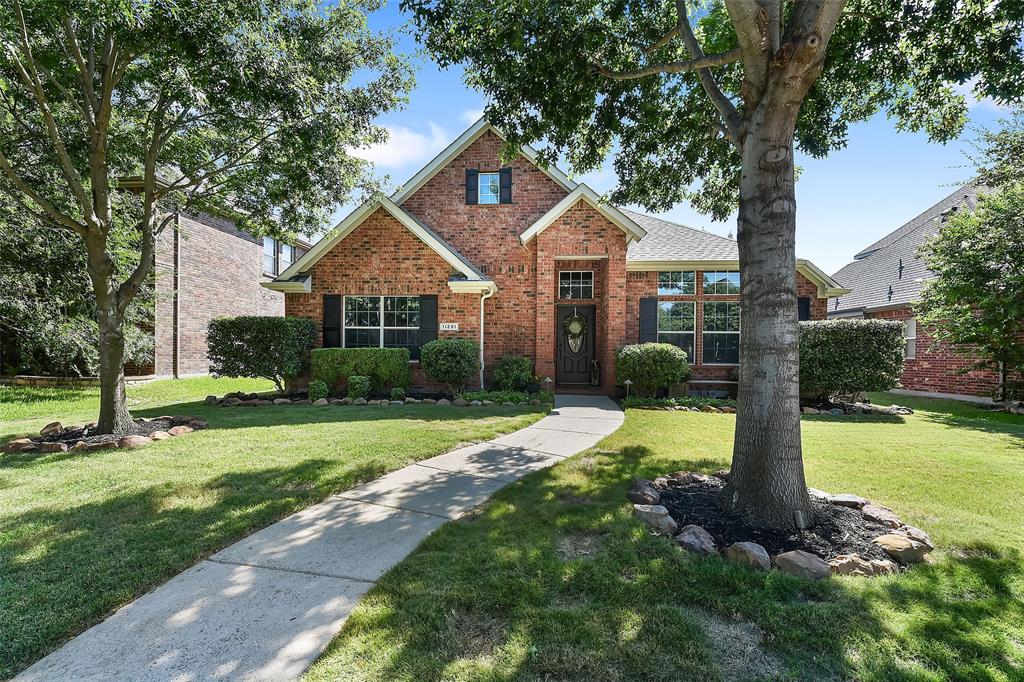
844 202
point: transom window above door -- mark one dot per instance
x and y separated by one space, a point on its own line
676 283
575 285
727 282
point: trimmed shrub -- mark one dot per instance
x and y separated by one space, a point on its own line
359 386
450 362
275 348
652 366
386 367
318 390
513 373
498 396
844 357
397 393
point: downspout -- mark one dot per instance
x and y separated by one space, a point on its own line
176 300
483 297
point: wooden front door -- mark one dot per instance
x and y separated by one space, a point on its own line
575 351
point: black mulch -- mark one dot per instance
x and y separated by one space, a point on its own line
141 427
837 530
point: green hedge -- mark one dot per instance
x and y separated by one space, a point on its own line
450 362
274 348
359 386
386 367
843 357
513 373
651 366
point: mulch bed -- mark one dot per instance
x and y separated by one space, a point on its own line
141 427
837 530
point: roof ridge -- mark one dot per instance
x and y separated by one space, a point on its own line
685 227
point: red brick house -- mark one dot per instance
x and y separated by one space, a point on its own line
885 280
505 253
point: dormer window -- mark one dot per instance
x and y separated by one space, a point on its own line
488 187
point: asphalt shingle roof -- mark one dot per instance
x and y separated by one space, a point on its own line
669 241
877 267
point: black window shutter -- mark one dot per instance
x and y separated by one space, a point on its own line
332 321
428 322
472 185
505 186
803 308
648 320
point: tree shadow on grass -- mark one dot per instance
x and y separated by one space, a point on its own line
494 596
65 568
1012 426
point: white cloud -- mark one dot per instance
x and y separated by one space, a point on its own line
967 90
471 115
405 146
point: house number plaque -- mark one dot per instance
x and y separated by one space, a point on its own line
449 326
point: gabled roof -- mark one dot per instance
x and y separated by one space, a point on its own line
298 271
875 278
455 148
584 193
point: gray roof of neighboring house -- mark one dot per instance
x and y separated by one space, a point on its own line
669 241
875 277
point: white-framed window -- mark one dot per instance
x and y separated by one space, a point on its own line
722 282
676 324
270 256
721 333
286 257
676 283
382 322
909 339
575 284
489 188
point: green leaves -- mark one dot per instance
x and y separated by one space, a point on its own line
843 357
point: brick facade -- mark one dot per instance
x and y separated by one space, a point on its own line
217 271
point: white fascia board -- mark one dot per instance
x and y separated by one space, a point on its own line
827 287
355 219
470 286
303 286
584 193
468 137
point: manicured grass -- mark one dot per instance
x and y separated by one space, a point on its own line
81 534
555 580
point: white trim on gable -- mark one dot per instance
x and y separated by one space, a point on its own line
827 287
286 281
458 146
584 193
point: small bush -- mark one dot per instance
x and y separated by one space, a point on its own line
513 373
274 348
498 396
386 367
398 393
318 390
844 357
683 401
651 366
359 386
450 362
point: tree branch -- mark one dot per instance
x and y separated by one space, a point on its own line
703 62
85 71
55 214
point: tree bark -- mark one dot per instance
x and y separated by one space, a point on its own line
766 484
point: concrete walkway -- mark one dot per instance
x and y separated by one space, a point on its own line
265 607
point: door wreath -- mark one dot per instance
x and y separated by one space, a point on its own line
575 327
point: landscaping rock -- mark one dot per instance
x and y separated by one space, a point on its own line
819 495
722 474
282 401
848 500
749 554
211 400
345 401
198 425
476 403
359 401
460 402
657 517
51 429
231 402
397 402
809 410
321 401
836 412
53 447
709 408
901 548
79 446
159 435
851 564
803 565
444 401
916 534
249 403
508 403
697 540
18 445
881 515
131 441
643 492
429 401
179 430
185 419
105 445
883 566
725 409
681 478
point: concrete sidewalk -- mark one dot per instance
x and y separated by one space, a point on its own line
265 607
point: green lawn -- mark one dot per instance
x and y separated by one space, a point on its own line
554 579
83 533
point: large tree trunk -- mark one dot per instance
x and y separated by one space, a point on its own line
766 484
114 416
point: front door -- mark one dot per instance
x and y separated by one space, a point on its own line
574 329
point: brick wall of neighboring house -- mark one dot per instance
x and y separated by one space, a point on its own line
939 370
382 258
218 271
645 284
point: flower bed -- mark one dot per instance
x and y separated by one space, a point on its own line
475 399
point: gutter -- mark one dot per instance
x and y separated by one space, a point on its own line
483 297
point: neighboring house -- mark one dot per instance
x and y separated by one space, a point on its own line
508 254
885 280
